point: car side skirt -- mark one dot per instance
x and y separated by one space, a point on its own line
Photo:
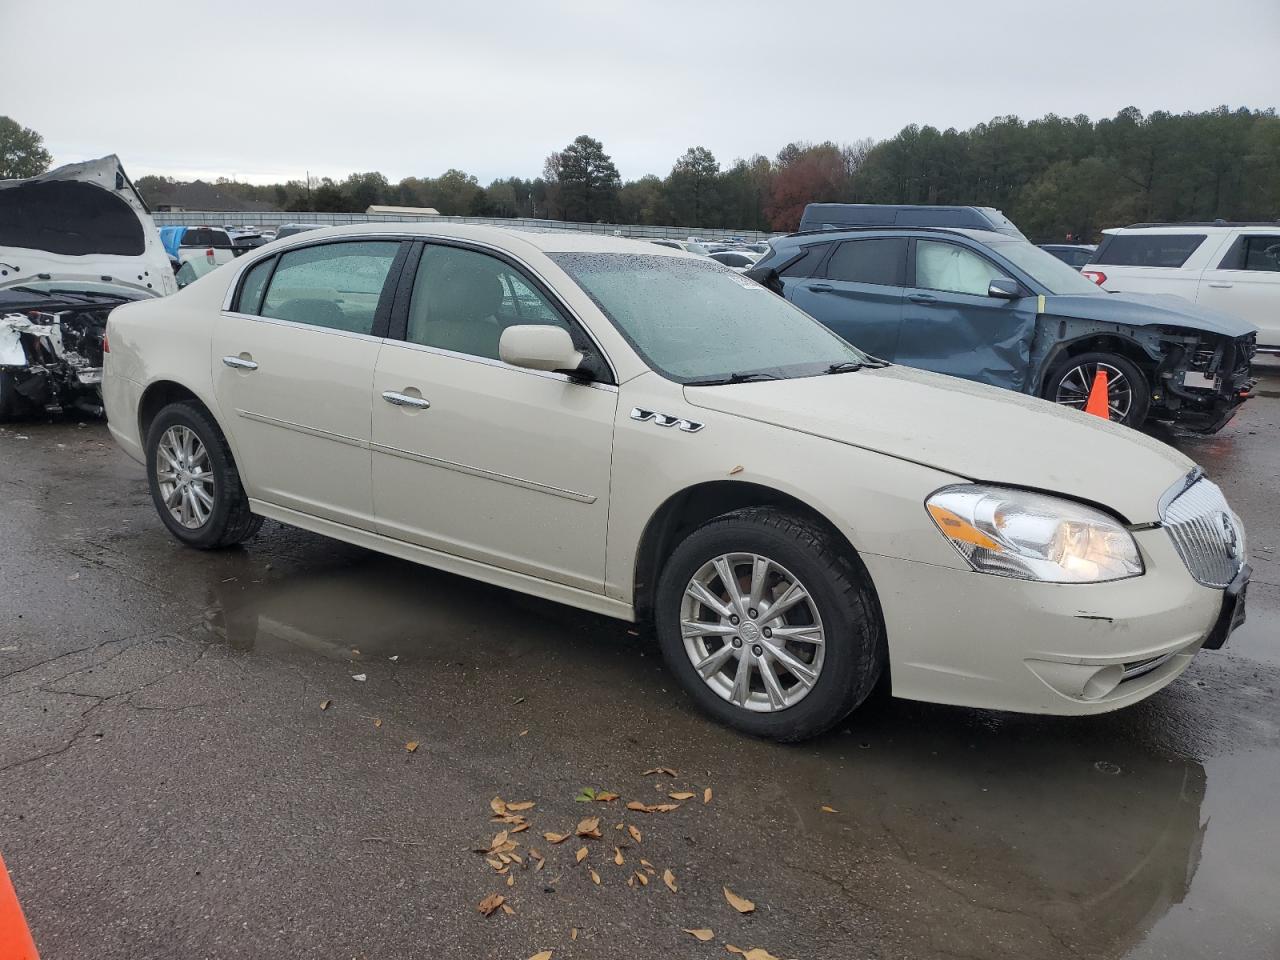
522 583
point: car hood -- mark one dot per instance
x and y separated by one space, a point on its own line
81 224
1148 309
966 429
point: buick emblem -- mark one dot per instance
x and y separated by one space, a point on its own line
1230 536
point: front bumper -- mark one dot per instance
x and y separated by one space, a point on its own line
978 640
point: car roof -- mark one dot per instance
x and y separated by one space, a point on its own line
981 236
1217 227
546 240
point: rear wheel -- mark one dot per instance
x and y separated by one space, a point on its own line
194 483
1128 392
768 623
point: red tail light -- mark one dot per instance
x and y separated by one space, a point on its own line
106 347
1097 276
209 254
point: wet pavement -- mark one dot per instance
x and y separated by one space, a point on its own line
170 786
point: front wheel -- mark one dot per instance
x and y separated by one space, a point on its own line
769 624
194 483
1128 393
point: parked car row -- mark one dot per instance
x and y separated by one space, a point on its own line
647 434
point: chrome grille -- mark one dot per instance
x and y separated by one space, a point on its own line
1209 537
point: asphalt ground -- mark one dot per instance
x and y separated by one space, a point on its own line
170 785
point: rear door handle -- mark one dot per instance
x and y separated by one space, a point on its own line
922 298
821 287
1221 284
404 400
239 363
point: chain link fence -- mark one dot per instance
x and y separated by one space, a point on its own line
274 219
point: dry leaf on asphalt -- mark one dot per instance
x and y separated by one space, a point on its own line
635 833
652 807
324 704
589 827
755 953
741 904
522 805
617 856
706 795
595 878
580 855
652 770
631 881
604 796
555 837
826 809
511 879
644 881
498 806
506 908
498 840
647 865
573 934
412 746
491 903
701 933
541 955
377 721
669 879
681 795
496 864
360 676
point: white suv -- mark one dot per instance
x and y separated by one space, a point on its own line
1231 267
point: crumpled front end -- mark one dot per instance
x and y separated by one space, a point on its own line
1202 380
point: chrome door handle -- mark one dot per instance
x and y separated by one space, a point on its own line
1219 283
239 363
404 400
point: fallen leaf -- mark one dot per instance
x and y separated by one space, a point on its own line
664 807
511 879
669 879
644 880
498 806
589 827
522 805
516 859
580 855
503 858
667 770
496 864
377 722
595 878
585 795
702 934
681 795
706 795
523 732
506 908
573 934
647 865
324 704
491 903
617 856
412 746
631 881
360 676
498 840
826 809
520 827
555 837
637 805
635 833
541 955
741 904
604 796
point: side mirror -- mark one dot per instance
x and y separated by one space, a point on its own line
1004 288
539 347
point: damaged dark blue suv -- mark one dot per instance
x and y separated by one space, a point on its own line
996 309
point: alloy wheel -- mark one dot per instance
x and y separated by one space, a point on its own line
752 631
1075 384
185 477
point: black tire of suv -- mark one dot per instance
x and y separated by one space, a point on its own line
855 648
11 403
230 522
1140 387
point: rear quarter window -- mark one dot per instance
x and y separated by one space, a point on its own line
807 262
1148 249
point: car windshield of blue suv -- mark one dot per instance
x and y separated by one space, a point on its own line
1046 269
697 322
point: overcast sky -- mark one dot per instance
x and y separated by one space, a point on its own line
264 91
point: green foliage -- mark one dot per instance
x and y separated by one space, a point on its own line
1053 176
22 152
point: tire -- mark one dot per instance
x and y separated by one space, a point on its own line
10 403
226 519
1065 382
840 602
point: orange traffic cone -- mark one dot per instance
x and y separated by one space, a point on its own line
15 938
1099 403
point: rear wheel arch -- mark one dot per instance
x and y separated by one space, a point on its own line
685 511
159 395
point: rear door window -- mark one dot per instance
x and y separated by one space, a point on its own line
1148 249
331 285
882 262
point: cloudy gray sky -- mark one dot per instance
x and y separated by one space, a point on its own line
269 89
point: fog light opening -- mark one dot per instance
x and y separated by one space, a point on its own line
1102 682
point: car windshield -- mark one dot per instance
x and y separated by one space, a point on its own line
1046 269
694 320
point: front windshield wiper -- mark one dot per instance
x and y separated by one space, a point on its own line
853 366
731 378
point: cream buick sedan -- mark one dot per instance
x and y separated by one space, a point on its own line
646 434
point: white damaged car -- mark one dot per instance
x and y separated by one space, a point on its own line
643 433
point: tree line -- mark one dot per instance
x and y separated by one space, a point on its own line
1053 176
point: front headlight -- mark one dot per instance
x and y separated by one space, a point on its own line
1030 536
